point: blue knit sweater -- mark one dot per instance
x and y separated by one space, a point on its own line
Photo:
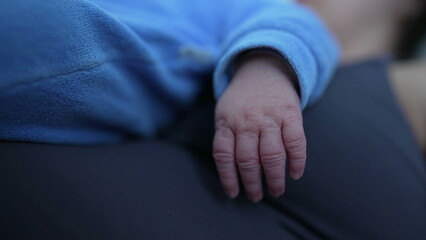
84 72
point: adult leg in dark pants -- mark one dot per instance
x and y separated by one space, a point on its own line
365 180
149 190
366 176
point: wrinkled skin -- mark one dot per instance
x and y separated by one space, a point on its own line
258 126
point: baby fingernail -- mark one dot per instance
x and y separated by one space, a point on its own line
231 194
276 193
256 199
296 175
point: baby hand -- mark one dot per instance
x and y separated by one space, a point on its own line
258 126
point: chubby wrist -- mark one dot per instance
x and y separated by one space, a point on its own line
264 59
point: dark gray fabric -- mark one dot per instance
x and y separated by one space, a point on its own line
365 176
135 191
365 179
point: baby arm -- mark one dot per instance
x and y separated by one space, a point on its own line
258 115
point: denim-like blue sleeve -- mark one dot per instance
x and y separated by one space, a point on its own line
287 27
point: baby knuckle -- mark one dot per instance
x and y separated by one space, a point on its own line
227 177
272 159
292 116
223 157
224 132
222 123
295 144
293 109
249 164
270 127
290 121
251 116
247 128
298 159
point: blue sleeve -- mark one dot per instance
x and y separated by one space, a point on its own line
293 30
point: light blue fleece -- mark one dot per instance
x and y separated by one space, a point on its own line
100 71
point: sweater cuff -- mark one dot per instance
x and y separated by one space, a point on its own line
292 49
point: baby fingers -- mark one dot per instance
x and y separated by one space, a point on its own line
295 145
272 155
247 157
224 155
